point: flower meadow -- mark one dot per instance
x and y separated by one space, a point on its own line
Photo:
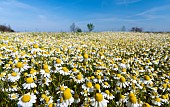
84 69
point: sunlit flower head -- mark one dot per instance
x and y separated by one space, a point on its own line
27 100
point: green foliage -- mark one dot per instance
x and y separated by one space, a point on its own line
5 28
90 26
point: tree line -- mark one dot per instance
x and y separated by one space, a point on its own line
74 28
4 28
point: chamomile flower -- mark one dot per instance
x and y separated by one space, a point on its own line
13 77
146 105
45 81
157 101
147 80
29 83
13 96
27 100
45 73
108 95
67 97
79 79
98 79
20 67
76 98
132 101
99 101
122 83
88 86
106 85
97 87
65 71
58 63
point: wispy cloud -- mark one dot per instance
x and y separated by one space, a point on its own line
153 13
16 4
125 2
154 10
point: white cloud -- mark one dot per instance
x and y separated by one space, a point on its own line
122 2
155 9
16 4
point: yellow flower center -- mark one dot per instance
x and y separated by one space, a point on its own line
99 97
134 77
105 83
26 98
10 62
62 88
118 75
133 99
163 96
25 74
122 96
45 66
166 80
50 105
85 91
76 96
43 96
58 61
32 71
147 77
118 88
19 65
14 96
14 74
74 69
89 84
65 69
131 95
29 80
115 66
98 77
79 77
85 56
146 105
92 77
61 100
122 79
168 85
97 86
164 85
123 70
98 71
35 46
47 70
107 92
158 99
47 99
67 95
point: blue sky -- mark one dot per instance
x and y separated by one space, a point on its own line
106 15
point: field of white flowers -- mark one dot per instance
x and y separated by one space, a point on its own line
84 69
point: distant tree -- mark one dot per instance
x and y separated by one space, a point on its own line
5 28
123 29
90 26
136 29
73 27
78 29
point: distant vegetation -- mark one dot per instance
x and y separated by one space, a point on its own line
4 28
90 26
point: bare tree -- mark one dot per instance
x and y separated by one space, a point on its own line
73 27
123 29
